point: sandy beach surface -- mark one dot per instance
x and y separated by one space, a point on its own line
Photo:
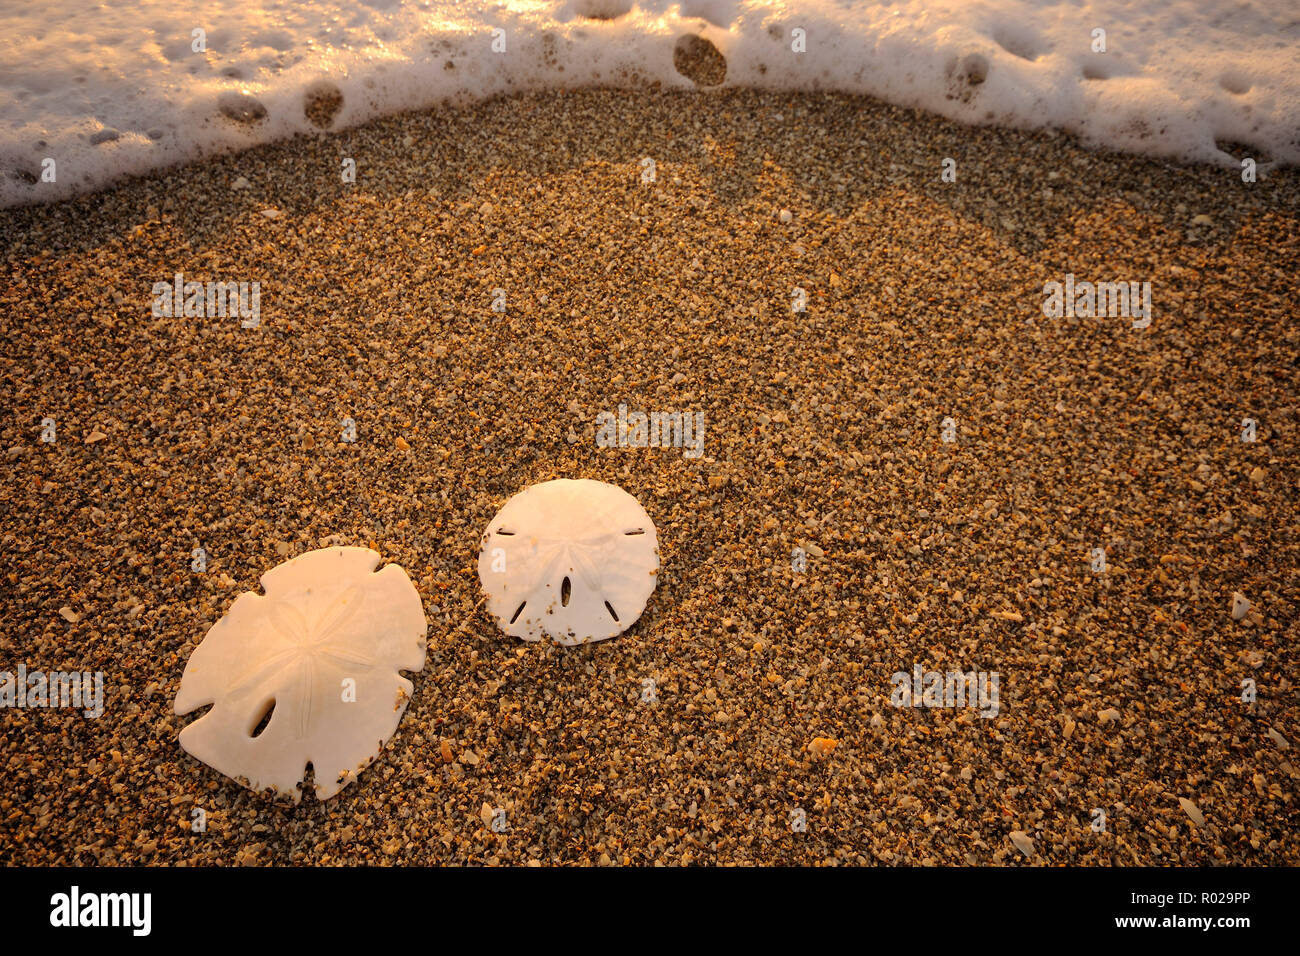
1120 691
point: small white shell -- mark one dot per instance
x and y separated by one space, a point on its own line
328 628
573 559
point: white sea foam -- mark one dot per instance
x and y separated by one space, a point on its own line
108 89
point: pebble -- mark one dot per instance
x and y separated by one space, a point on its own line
1240 606
1192 811
1023 842
821 746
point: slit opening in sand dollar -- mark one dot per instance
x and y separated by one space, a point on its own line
580 550
264 720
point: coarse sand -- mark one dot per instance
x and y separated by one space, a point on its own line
750 695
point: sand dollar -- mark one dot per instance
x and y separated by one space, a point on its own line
320 654
573 559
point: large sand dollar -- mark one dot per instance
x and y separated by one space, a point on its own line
321 653
575 560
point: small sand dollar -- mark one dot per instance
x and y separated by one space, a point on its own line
573 559
320 654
